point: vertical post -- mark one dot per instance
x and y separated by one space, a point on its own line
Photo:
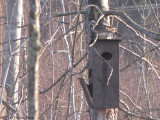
99 114
104 5
106 114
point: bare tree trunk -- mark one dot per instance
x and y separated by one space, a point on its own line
12 35
34 47
69 58
144 65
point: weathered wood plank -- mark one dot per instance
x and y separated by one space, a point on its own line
105 73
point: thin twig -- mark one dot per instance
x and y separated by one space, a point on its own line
64 74
138 116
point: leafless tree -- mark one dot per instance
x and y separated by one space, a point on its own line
34 47
11 51
65 35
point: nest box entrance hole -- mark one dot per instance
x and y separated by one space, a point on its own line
106 55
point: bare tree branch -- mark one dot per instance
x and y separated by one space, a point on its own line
9 106
138 116
65 73
121 14
139 57
133 24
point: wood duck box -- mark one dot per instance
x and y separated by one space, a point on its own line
104 73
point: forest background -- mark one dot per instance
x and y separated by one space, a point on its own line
63 59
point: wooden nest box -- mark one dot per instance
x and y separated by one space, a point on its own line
104 73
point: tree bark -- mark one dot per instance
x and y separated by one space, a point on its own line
34 47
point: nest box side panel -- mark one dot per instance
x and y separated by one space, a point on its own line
105 74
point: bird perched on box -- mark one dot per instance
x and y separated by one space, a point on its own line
102 27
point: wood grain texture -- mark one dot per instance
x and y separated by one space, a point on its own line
105 96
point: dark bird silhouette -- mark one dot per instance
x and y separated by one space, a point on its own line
90 89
